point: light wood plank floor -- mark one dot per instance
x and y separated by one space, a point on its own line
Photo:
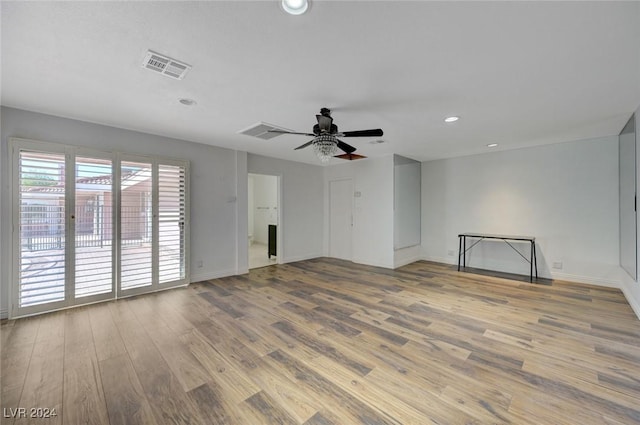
323 342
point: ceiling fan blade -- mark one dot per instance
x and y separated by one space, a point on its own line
324 123
290 132
305 145
345 147
363 133
350 156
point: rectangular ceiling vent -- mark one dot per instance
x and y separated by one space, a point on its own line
165 65
261 131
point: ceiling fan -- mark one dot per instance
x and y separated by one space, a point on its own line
325 140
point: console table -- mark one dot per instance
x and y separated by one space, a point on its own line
462 248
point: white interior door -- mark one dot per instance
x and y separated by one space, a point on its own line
340 218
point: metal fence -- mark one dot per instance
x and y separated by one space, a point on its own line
42 227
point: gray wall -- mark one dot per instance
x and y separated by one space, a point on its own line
630 287
301 202
566 195
218 191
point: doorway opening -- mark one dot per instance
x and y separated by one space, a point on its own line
264 228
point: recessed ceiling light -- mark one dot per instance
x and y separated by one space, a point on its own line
451 119
492 145
377 142
295 7
187 102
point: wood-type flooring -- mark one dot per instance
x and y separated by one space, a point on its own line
324 342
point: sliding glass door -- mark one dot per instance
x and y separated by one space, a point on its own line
171 223
153 225
94 226
136 225
41 241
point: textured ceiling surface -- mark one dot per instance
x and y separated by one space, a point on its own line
517 73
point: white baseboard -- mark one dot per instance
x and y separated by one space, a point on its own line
200 277
406 261
4 313
443 260
598 281
214 275
635 306
609 283
300 258
366 262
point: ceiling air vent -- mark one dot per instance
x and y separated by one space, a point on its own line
165 65
261 131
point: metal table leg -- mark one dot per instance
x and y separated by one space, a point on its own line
459 250
531 262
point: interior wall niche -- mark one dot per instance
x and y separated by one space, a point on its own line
628 215
406 202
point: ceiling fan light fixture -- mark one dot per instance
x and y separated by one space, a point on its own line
325 147
295 7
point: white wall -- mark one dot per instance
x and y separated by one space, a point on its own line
301 202
630 287
407 210
218 187
250 206
372 210
566 195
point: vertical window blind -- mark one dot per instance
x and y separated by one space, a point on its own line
42 228
93 224
171 221
136 225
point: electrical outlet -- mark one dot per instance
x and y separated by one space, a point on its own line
450 252
557 265
199 264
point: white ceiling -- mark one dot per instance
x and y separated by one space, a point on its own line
518 73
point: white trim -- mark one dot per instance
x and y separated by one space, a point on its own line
608 283
407 261
301 258
4 313
635 305
589 280
443 260
372 263
280 220
195 278
98 302
280 229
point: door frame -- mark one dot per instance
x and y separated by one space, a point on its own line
280 215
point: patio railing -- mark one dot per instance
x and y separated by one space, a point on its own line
43 227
